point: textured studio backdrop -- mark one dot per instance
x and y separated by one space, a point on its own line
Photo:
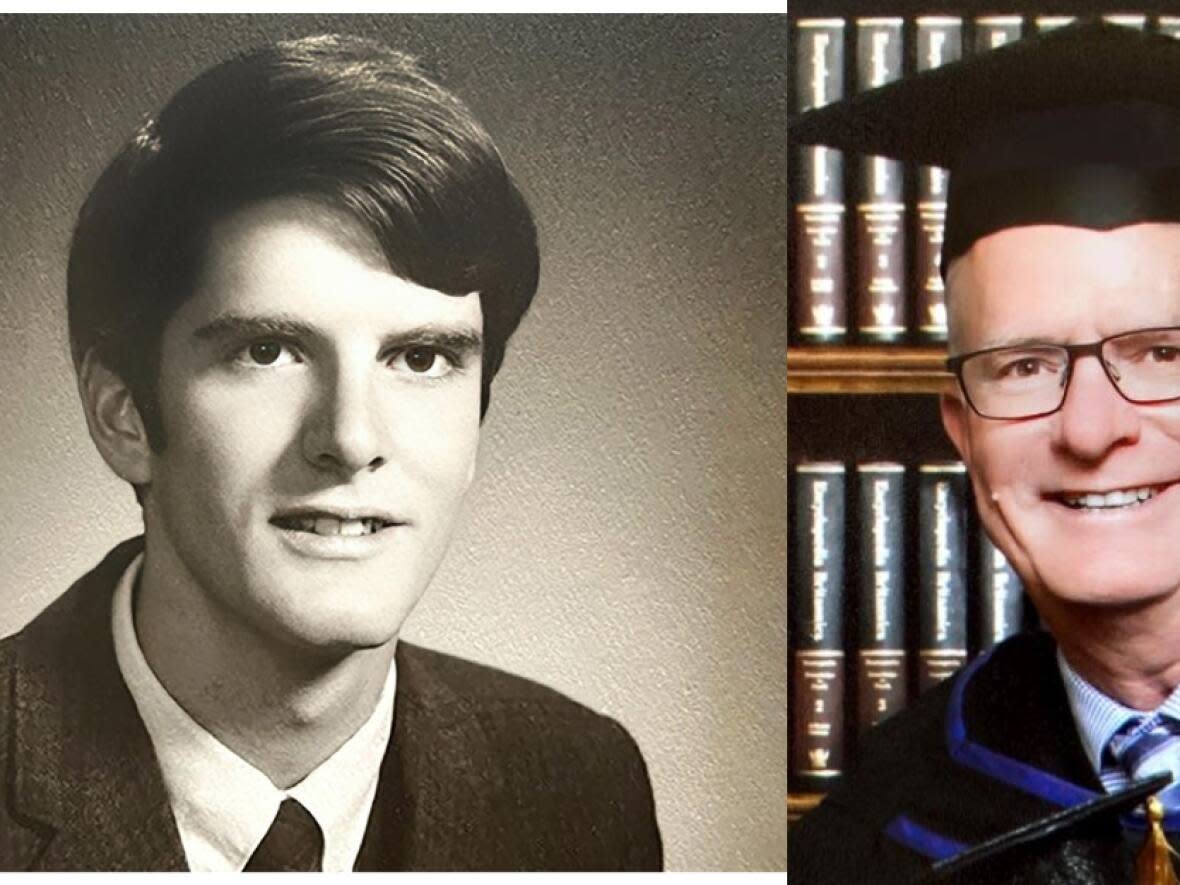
624 540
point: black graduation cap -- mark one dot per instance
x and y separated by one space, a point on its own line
1078 126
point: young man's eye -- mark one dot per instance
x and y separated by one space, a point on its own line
423 360
266 353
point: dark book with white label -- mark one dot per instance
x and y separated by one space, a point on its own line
881 672
821 299
942 571
1001 596
940 42
1168 24
994 31
880 210
817 604
1045 23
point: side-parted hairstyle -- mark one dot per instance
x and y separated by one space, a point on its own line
340 120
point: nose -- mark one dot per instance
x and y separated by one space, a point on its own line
345 431
1094 419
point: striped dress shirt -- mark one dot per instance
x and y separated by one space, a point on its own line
1098 718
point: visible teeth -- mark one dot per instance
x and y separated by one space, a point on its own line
1118 498
330 525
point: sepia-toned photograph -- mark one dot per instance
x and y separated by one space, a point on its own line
394 450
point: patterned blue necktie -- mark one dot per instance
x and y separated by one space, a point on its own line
1150 746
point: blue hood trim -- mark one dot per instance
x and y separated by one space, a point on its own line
1003 768
926 842
1018 774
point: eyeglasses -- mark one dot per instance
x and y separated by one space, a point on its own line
1031 380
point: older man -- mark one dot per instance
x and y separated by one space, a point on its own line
1062 265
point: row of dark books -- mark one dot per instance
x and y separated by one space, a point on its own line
893 587
883 269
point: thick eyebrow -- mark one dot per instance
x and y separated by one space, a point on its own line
230 325
238 326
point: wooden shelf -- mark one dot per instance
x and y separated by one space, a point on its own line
869 369
798 804
853 369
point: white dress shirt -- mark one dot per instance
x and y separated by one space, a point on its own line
223 805
1099 717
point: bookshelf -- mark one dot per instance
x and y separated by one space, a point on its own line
837 391
835 369
798 804
854 405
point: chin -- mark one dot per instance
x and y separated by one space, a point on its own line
336 625
1110 585
336 641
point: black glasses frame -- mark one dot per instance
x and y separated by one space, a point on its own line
954 365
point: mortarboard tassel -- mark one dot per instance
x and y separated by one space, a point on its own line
1153 866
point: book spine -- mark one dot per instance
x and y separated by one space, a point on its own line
1136 20
817 745
1052 22
940 41
1169 25
881 656
1001 600
821 312
993 31
880 210
942 571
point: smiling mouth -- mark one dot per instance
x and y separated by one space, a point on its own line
1115 500
328 525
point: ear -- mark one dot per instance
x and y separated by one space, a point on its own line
954 421
114 421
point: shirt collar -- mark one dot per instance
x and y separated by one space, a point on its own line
223 805
1098 717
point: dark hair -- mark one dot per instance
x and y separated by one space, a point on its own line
341 120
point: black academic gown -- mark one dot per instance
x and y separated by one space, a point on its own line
990 756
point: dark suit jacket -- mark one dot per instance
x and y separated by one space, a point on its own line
989 762
485 771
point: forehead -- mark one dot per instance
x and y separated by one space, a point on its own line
267 235
292 256
1061 283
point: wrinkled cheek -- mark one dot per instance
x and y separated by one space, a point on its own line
998 506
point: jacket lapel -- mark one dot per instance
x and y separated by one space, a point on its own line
88 789
84 772
439 780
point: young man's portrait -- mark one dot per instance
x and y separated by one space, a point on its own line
394 454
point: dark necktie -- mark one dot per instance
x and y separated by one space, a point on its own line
293 844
